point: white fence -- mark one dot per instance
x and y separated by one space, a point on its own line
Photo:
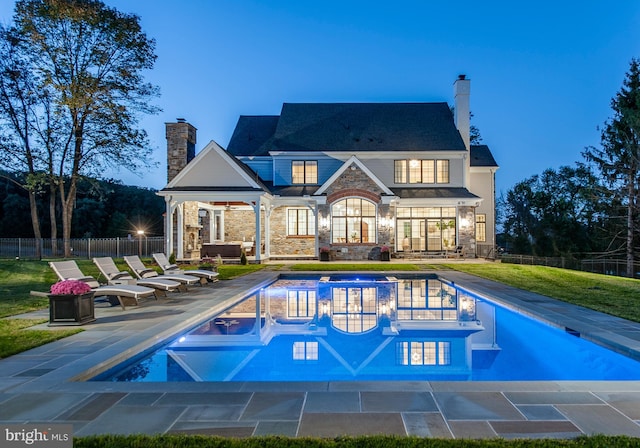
26 248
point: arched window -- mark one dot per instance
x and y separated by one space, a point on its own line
353 220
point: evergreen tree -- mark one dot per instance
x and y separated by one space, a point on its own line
618 158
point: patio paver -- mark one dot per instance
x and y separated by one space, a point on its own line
48 384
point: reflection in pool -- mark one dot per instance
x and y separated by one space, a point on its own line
374 328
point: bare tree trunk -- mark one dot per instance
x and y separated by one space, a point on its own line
35 222
52 218
630 221
67 215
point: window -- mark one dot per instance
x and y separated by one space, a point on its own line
301 303
304 172
423 353
481 227
400 172
425 228
300 222
353 221
425 171
305 351
442 171
415 171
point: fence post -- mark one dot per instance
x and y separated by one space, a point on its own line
117 247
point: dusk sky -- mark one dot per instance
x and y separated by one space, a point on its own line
542 73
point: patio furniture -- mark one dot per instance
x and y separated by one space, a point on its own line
143 273
110 271
126 295
169 268
225 250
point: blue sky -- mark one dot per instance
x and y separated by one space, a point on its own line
542 73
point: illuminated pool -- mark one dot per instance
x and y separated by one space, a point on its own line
362 327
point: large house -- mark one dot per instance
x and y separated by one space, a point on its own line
347 178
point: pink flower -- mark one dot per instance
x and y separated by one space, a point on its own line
67 287
384 249
324 250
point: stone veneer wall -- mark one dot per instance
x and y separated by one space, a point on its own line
281 243
191 242
467 235
354 183
181 140
240 225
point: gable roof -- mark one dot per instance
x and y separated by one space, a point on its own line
196 175
251 133
353 160
481 156
349 127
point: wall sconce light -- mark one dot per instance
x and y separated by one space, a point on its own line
386 223
464 222
324 223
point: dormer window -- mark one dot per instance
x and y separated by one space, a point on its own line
421 171
304 172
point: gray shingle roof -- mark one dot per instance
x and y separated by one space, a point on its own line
434 193
292 190
348 127
251 134
481 156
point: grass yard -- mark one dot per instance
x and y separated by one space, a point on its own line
617 296
15 337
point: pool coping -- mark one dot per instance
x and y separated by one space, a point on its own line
53 370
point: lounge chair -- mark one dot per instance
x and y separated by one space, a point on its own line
168 268
142 272
110 271
127 295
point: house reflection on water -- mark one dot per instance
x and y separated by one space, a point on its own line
342 328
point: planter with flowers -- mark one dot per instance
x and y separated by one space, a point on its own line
71 303
324 253
385 253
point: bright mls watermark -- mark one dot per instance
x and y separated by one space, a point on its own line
36 436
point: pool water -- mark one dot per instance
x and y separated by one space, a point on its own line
374 328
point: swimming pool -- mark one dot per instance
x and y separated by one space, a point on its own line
373 328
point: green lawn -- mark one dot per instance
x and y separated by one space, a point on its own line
15 338
617 296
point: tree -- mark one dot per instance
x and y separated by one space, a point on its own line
90 60
18 100
618 158
553 214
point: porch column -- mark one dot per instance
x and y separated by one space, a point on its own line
168 226
180 225
256 209
267 231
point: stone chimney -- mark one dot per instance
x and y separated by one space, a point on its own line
461 91
181 146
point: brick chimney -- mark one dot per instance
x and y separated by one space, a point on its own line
181 146
461 92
